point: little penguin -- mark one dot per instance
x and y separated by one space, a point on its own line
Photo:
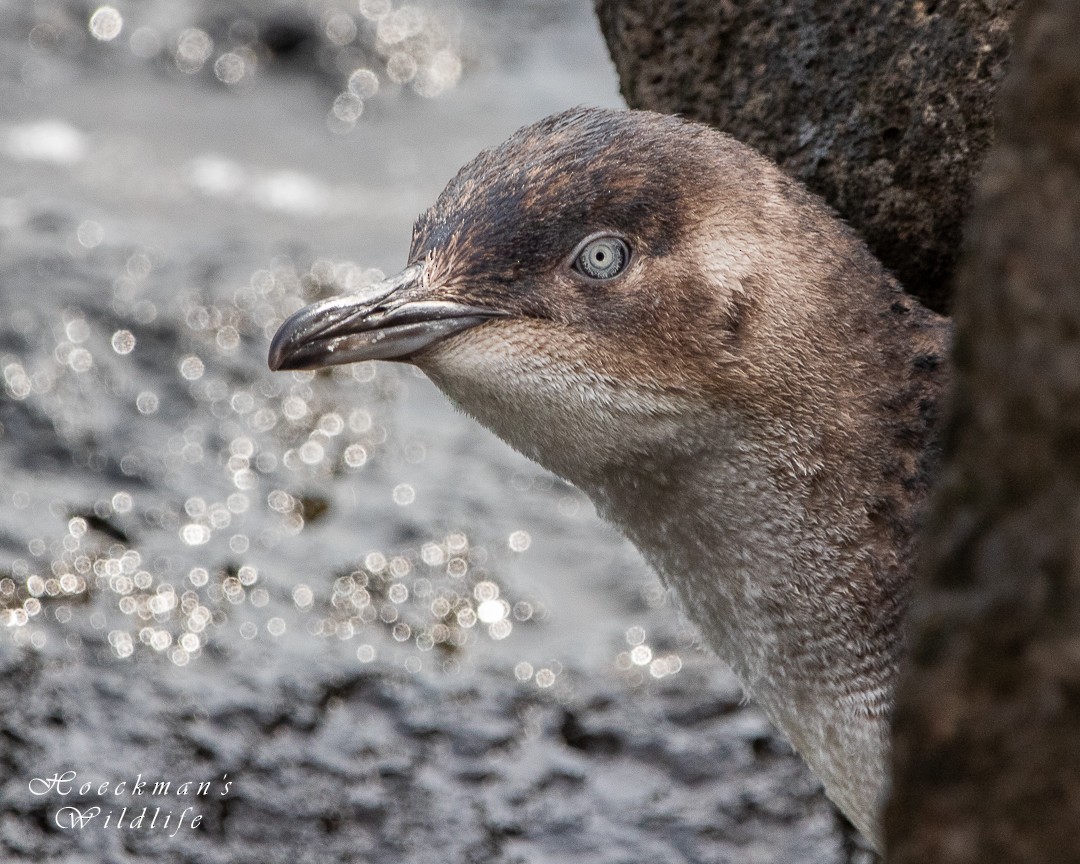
659 315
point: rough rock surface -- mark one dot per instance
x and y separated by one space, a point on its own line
988 720
884 109
327 765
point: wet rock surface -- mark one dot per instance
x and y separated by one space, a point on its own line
372 631
884 109
369 765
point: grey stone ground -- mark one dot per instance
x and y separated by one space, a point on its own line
372 765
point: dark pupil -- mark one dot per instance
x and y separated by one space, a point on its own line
602 259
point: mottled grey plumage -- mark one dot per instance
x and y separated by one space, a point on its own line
753 400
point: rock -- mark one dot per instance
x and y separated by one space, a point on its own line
983 753
359 778
884 109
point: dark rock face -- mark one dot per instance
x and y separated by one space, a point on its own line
986 745
884 109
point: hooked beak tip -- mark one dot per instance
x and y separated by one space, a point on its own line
287 348
278 358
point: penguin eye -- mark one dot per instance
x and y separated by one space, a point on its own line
602 258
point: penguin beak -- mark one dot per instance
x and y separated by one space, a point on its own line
392 320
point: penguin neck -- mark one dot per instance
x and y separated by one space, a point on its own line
789 546
778 594
776 492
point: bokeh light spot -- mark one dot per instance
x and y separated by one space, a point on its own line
194 534
106 23
147 402
193 49
230 68
89 234
375 10
363 83
520 541
401 67
123 342
303 596
340 28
